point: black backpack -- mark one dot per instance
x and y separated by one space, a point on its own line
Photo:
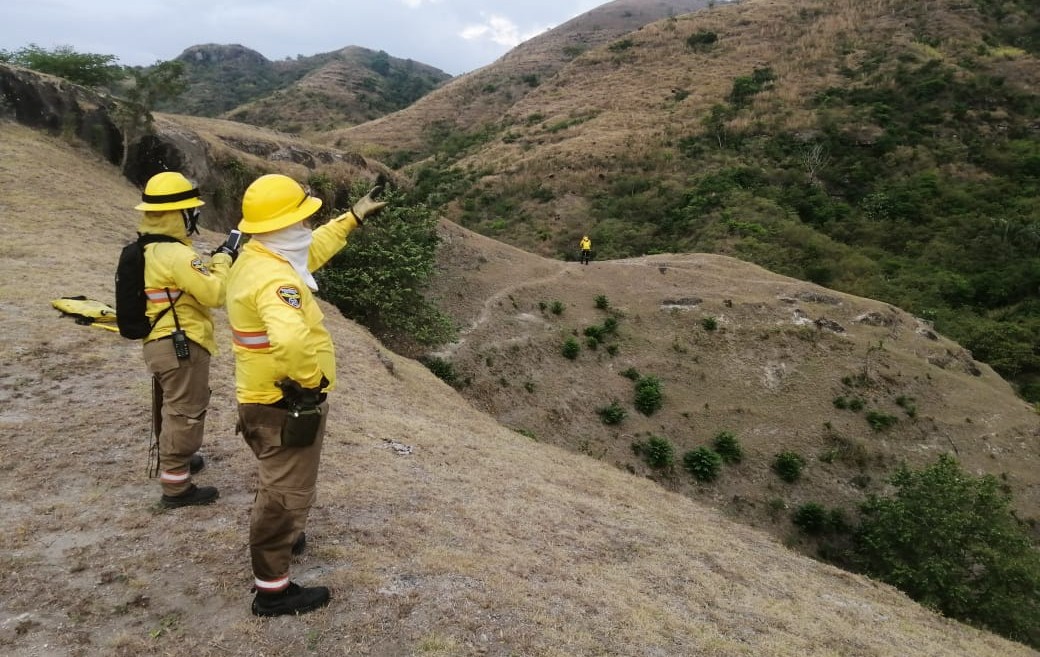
131 300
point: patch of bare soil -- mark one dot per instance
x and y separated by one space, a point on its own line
475 541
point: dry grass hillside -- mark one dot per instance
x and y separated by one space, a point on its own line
441 531
781 353
355 85
480 97
619 109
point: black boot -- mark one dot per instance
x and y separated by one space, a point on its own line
195 496
295 599
196 463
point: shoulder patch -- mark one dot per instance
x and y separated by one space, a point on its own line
290 294
199 266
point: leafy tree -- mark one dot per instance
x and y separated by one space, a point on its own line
87 69
952 542
134 114
380 278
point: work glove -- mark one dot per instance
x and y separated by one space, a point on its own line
367 205
230 246
299 397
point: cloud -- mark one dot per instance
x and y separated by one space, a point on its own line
499 30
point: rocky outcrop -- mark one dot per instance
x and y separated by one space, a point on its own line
53 104
60 107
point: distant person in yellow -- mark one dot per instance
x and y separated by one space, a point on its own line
284 367
586 249
180 288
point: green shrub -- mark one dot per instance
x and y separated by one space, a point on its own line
612 414
952 542
602 303
856 404
880 421
571 348
728 447
594 332
776 507
556 307
710 323
648 398
746 86
788 466
443 369
631 373
703 463
619 46
841 403
610 325
907 404
658 452
811 518
381 279
837 522
701 39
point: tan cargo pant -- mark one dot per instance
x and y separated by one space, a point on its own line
185 388
287 479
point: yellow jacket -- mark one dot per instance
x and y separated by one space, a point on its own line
277 327
586 244
194 285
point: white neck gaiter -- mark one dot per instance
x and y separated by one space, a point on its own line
292 243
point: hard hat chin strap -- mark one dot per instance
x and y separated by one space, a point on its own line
191 220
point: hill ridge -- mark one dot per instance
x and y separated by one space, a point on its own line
481 542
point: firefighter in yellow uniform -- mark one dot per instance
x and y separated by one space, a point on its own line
284 367
181 288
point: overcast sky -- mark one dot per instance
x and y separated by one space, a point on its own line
455 36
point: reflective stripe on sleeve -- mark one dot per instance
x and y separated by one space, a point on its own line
251 339
159 296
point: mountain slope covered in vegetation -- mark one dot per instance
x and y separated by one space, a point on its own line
439 531
883 148
306 94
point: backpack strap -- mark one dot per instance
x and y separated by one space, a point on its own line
153 238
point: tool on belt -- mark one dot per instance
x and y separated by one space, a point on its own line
304 412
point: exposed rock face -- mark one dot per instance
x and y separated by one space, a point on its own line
58 106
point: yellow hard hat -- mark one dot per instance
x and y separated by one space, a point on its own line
169 190
275 201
